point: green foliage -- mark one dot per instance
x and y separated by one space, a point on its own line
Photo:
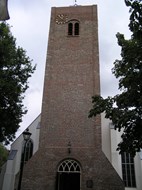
15 69
3 155
125 109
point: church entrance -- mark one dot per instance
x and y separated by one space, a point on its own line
69 175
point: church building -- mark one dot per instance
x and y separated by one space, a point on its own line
69 153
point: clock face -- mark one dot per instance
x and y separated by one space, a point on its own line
61 19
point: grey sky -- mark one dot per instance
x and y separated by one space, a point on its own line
30 25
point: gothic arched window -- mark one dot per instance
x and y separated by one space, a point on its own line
128 170
69 165
68 175
27 151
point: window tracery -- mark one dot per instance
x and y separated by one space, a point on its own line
69 165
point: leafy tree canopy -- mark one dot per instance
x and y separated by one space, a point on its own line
125 109
3 155
15 69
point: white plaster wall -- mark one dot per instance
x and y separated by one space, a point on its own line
13 166
138 171
16 145
110 139
2 173
106 143
116 158
9 177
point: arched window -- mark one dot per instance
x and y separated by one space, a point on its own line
128 170
70 29
27 150
69 166
76 28
68 175
73 28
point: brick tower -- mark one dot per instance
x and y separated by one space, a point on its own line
70 155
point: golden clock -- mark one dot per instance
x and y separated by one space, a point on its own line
61 19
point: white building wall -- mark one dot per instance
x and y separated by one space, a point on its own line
110 139
138 171
9 177
106 142
2 173
13 163
116 158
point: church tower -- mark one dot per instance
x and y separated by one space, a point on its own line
70 155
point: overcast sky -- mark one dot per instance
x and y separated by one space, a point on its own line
30 25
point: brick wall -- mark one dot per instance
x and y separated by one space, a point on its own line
71 79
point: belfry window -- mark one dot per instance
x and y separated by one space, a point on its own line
73 28
128 170
70 29
76 28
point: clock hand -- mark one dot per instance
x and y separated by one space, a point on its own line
61 16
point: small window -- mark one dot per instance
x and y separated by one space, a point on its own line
70 29
128 170
73 28
76 28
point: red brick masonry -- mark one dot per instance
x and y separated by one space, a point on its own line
71 79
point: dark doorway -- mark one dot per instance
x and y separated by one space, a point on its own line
68 175
69 181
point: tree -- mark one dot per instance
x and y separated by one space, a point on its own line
15 69
125 109
3 155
